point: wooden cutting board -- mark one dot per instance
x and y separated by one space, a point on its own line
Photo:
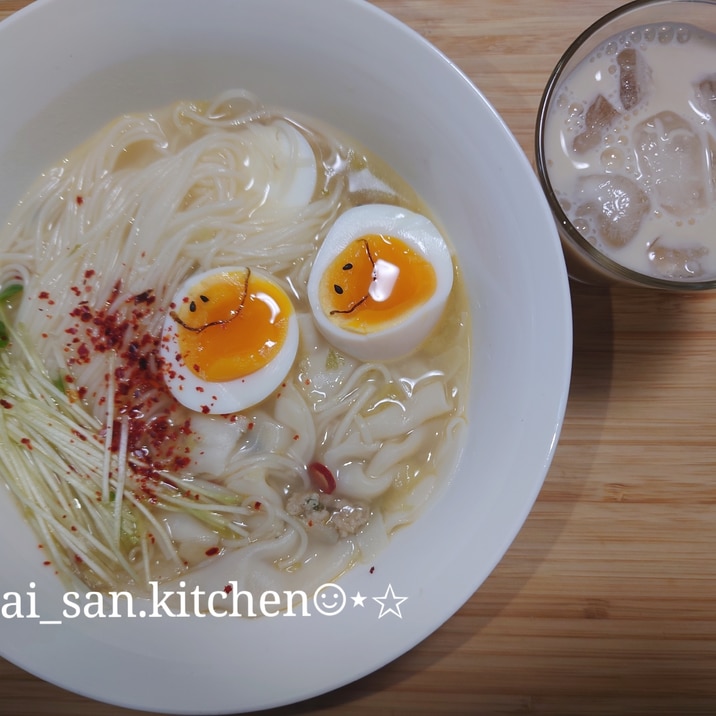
606 601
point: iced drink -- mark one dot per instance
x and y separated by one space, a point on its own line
630 150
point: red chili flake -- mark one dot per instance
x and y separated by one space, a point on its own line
79 200
228 589
73 528
307 381
371 570
310 523
257 505
47 563
250 426
212 551
145 297
180 462
78 559
26 442
157 443
44 295
296 437
5 403
321 477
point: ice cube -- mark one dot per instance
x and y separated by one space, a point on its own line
673 162
711 160
616 205
677 263
630 77
706 96
599 117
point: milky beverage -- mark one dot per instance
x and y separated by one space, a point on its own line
631 148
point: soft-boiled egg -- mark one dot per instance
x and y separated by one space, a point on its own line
229 340
380 281
287 151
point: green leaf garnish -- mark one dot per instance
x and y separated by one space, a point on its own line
59 383
9 291
333 360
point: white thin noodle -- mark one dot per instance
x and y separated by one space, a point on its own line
147 201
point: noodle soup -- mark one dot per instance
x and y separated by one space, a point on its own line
131 478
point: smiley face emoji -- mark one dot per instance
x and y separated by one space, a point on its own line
329 599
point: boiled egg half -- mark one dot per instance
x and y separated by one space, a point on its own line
380 281
229 340
292 161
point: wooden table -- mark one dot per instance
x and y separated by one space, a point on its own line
606 601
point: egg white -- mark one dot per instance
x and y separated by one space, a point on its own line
293 160
408 333
223 397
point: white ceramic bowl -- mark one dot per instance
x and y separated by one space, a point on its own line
78 63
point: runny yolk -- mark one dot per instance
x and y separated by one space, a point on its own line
374 282
231 324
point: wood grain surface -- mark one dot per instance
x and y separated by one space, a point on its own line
606 601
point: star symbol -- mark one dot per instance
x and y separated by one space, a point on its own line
358 600
389 603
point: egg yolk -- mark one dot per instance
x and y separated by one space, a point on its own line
231 325
375 282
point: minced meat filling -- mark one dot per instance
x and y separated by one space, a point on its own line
316 508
